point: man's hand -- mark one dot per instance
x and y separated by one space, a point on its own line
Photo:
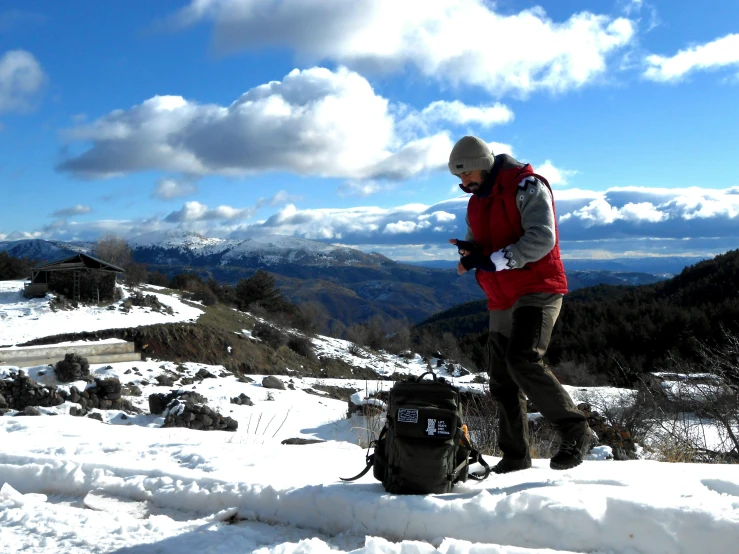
476 260
464 247
472 258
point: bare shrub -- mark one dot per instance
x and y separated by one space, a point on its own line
157 278
112 249
706 393
399 336
357 334
355 350
634 411
578 375
301 345
136 274
449 347
205 295
481 416
269 334
369 419
311 318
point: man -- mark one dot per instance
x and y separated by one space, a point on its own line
512 243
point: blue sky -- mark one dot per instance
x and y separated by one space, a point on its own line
333 120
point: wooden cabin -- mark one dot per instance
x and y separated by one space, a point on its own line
79 277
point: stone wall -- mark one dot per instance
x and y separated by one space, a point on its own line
21 391
104 395
188 409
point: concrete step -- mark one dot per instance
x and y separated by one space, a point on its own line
20 355
92 360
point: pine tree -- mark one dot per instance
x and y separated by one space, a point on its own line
259 289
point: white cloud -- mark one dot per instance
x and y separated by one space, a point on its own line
722 52
598 212
440 217
500 148
516 53
623 219
353 224
195 211
401 227
280 198
642 211
21 78
169 188
79 209
555 176
363 188
461 114
313 122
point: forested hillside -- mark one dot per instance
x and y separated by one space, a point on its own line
624 331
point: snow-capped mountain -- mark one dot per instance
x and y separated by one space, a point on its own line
183 240
44 250
352 285
270 251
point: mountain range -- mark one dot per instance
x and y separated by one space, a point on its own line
352 285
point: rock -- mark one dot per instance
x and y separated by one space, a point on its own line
21 391
31 411
300 440
73 368
180 413
165 380
159 402
242 400
204 374
96 416
272 382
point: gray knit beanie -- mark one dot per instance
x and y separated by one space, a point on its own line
468 154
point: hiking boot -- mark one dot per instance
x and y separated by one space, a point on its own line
572 451
508 464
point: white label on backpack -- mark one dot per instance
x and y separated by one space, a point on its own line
437 427
406 415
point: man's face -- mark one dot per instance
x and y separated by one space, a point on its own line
472 179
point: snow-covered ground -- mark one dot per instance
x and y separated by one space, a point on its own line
24 319
126 485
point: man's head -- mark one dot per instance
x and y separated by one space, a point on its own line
469 154
471 160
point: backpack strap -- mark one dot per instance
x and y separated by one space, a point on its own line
430 372
474 457
370 463
370 459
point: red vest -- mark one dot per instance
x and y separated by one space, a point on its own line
495 223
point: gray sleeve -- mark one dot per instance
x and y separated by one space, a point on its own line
468 235
535 203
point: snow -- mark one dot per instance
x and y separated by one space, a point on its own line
76 485
277 249
24 319
182 240
279 243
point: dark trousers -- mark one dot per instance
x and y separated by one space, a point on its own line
517 342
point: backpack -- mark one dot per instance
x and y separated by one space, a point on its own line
424 447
